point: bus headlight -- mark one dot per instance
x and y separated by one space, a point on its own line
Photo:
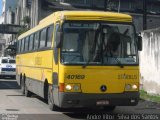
134 87
71 87
128 87
131 87
76 87
68 87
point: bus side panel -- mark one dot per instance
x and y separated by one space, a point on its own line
44 60
37 67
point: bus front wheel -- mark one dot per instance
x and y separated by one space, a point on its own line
51 104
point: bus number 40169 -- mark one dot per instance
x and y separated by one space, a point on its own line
75 77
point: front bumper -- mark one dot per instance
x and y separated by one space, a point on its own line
5 73
76 100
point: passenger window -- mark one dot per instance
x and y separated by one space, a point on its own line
19 49
31 42
43 38
22 45
36 41
17 46
49 36
26 43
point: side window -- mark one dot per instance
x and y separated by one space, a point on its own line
17 46
22 45
49 36
26 43
42 39
31 42
36 41
20 42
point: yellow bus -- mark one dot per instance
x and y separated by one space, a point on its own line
67 60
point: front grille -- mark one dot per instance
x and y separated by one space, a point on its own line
8 69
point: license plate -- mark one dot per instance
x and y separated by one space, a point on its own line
102 102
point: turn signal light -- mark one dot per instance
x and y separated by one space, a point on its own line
73 87
61 87
131 87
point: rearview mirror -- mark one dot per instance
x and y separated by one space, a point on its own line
59 37
139 43
56 55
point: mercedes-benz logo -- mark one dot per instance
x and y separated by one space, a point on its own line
103 88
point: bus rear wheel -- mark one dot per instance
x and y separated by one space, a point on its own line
27 92
22 85
51 104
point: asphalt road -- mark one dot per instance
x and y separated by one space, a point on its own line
15 106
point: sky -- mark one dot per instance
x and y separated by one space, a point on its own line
0 7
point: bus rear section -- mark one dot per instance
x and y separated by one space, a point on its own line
7 67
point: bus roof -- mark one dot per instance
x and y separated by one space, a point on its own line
80 15
89 15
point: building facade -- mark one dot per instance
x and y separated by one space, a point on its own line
8 7
7 17
149 61
132 7
36 10
30 12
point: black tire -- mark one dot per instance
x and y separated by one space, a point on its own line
109 108
46 92
22 85
51 104
27 92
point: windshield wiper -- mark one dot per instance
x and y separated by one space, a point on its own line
119 62
85 64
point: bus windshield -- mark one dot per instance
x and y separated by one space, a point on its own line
98 43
